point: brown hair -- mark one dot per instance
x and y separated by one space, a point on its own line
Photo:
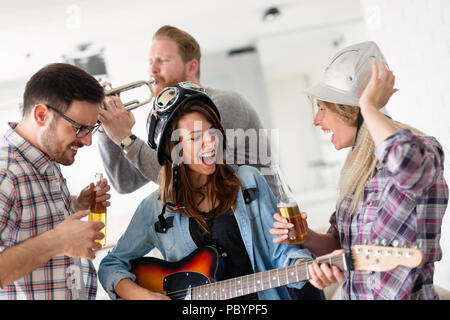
188 47
57 85
224 182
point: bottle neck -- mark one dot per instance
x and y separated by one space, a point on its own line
285 195
98 177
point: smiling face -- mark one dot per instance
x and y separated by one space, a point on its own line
199 143
343 134
58 139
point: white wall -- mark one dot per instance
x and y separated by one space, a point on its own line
415 38
241 73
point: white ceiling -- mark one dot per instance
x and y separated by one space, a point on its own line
219 24
32 30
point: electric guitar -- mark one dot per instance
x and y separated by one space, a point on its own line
192 278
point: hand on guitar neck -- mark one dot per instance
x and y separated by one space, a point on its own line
321 275
324 275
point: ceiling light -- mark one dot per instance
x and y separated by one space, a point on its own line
271 14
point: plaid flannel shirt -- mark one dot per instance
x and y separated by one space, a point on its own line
404 202
34 198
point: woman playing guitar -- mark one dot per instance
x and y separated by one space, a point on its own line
202 201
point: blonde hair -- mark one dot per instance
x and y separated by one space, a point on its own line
361 161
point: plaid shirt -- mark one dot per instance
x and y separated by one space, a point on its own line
34 198
404 201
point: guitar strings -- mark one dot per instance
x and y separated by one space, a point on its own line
233 286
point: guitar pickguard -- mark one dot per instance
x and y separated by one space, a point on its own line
178 285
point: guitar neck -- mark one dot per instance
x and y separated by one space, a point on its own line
240 286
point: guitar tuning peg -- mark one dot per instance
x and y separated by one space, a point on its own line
405 244
395 243
365 242
375 242
384 242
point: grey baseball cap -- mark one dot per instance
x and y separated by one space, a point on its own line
347 75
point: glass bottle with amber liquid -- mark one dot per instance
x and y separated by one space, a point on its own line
97 209
288 209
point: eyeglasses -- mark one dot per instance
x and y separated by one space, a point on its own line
82 130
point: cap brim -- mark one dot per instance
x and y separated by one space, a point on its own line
330 94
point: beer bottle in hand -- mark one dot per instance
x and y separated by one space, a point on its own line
97 209
289 209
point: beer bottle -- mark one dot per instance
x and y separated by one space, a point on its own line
288 209
97 209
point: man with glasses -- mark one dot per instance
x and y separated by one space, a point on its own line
44 246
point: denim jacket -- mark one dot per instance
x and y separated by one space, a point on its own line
254 220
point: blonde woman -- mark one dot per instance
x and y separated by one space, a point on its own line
392 189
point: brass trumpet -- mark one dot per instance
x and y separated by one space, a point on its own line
131 105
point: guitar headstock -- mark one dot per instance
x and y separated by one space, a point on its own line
379 258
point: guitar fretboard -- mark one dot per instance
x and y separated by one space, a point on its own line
240 286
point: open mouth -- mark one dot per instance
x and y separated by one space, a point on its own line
208 158
328 131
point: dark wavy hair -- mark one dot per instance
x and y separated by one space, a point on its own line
224 182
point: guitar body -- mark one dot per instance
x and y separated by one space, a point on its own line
175 278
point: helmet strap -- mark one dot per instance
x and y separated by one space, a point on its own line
163 224
176 180
151 139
